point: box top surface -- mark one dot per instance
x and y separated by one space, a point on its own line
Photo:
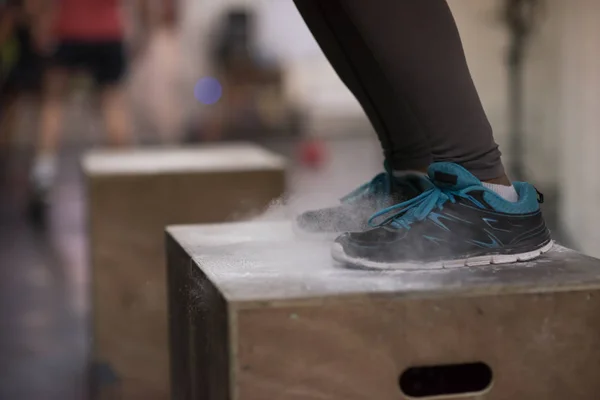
154 160
265 262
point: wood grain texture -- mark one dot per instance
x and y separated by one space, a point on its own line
303 327
539 346
127 217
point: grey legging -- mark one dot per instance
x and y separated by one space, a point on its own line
404 62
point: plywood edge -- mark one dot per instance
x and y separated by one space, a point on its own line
109 176
171 233
233 340
101 162
178 315
202 334
240 304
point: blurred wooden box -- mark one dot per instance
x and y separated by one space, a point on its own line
256 314
132 196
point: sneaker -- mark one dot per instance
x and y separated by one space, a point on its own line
355 209
457 222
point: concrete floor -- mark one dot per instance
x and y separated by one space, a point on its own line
44 308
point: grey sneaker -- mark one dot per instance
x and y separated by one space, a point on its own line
353 214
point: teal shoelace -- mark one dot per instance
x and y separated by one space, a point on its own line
419 208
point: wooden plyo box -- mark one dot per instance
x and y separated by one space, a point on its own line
132 196
256 314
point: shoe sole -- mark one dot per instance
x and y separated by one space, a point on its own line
338 254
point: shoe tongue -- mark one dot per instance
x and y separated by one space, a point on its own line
451 175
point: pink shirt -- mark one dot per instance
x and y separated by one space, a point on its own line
89 20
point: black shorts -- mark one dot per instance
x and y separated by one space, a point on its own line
105 61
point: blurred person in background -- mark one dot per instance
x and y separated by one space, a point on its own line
88 36
253 101
158 89
20 64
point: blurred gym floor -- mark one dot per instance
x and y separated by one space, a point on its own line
44 309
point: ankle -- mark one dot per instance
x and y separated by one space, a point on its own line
501 180
507 192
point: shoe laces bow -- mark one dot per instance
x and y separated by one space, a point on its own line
403 215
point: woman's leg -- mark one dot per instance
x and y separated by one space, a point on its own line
403 139
404 61
407 58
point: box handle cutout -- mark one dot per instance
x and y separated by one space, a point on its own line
447 381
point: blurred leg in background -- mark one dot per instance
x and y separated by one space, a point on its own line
158 77
86 36
9 48
56 81
105 61
108 69
8 113
20 70
116 116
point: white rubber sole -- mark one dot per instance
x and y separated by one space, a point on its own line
338 254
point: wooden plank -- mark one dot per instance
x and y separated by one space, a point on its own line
539 346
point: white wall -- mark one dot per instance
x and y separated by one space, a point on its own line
543 96
580 124
484 40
